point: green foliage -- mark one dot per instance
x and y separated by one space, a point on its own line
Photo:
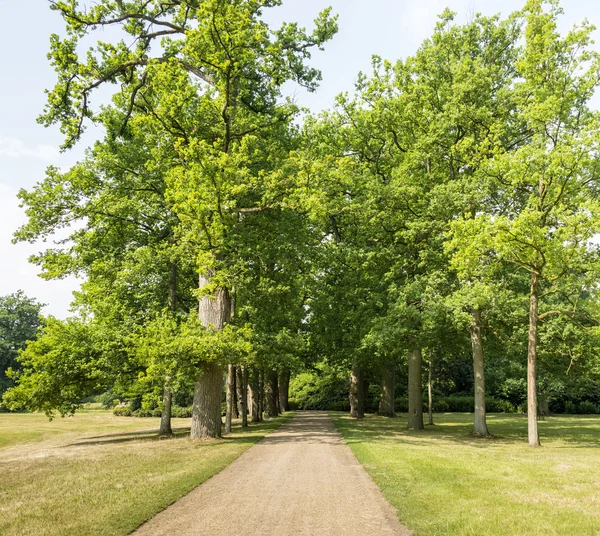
19 322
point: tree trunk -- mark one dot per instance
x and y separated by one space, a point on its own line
214 312
165 418
415 397
239 388
284 390
271 394
364 395
430 388
244 397
234 403
206 407
254 397
356 392
388 382
261 395
532 424
229 397
480 424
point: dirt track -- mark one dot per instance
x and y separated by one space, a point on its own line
301 479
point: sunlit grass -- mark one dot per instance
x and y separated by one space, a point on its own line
443 481
100 474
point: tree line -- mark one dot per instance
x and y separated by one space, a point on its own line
448 204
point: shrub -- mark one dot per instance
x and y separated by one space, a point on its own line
570 407
122 411
440 406
292 404
401 404
107 399
181 413
587 408
340 405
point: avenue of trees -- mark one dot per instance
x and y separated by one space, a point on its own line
447 207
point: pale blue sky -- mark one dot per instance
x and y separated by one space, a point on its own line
390 28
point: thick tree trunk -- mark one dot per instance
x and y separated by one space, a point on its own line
356 392
214 312
254 397
430 389
271 394
239 390
284 390
388 383
415 398
165 418
229 397
206 407
532 424
244 397
480 424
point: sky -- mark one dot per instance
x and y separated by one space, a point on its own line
392 29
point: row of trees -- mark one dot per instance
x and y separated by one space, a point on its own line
450 201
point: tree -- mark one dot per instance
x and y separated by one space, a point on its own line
550 202
20 321
213 92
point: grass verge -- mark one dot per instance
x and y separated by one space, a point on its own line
443 481
98 474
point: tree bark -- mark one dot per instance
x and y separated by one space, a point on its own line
165 418
254 397
271 394
356 392
532 424
234 402
261 395
480 424
388 383
229 397
213 312
239 389
415 398
430 388
244 397
284 390
206 407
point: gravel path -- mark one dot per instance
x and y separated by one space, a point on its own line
301 479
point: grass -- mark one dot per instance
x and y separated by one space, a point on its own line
98 474
444 481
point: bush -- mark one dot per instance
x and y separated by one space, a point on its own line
292 404
587 408
107 399
496 405
401 404
122 411
440 406
181 413
460 404
340 405
570 407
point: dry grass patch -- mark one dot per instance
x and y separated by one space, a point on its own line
100 474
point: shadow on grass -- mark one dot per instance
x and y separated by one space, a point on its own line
239 435
575 432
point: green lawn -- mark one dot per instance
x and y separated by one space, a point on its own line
98 474
445 482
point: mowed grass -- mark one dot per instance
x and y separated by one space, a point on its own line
445 482
98 474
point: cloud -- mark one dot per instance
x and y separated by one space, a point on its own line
15 148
